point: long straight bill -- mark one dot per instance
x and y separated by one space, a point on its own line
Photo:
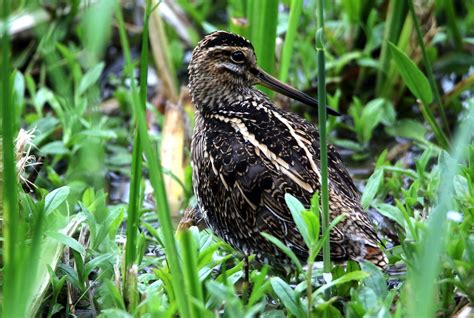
272 83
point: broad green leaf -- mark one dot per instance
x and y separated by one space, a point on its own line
67 240
371 188
369 299
272 313
356 275
90 78
42 96
97 262
461 186
376 281
415 80
43 128
70 273
389 115
371 116
293 203
54 148
296 209
408 128
55 198
100 133
312 225
288 296
57 307
319 244
49 256
115 295
285 249
260 286
105 226
349 144
390 211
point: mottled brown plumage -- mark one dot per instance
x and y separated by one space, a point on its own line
247 154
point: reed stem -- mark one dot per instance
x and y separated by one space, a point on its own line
12 238
156 179
322 135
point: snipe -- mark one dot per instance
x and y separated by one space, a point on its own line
247 154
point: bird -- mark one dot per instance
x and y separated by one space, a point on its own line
247 154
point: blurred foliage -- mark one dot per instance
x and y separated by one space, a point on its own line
86 94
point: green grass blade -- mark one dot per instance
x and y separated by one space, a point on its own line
295 14
255 10
263 25
46 256
322 134
420 87
157 182
288 296
355 275
97 23
426 61
415 80
422 279
285 249
12 230
268 26
133 212
190 269
393 25
448 7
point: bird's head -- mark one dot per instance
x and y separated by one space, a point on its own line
224 63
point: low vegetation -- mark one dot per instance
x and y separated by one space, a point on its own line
95 172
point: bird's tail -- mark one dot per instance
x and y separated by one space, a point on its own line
376 256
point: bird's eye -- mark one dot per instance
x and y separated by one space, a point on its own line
237 57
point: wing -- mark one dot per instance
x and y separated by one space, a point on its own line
255 154
337 172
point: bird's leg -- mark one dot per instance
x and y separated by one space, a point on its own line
246 287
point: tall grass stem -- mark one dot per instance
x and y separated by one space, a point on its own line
295 14
322 134
156 179
393 25
423 279
452 21
264 22
190 269
11 286
12 234
133 211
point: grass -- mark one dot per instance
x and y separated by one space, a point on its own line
263 20
423 282
156 174
76 243
427 63
322 134
11 237
286 53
